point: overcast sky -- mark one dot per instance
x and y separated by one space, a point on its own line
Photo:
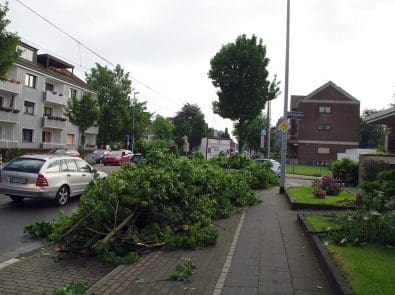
168 44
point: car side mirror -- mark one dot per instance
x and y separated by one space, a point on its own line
94 170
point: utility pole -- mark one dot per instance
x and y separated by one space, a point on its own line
285 115
134 106
268 129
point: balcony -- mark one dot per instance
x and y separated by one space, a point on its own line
92 130
14 87
55 98
54 122
9 115
52 145
8 144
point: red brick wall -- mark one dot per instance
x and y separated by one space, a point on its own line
308 153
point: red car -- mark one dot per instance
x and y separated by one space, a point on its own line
116 158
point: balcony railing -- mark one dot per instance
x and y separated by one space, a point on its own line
12 87
9 115
54 123
92 130
8 144
52 145
55 98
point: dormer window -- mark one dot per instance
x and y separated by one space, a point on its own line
25 53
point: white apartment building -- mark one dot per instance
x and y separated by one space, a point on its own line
33 101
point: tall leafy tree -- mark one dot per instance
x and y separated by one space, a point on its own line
240 72
253 132
83 112
8 43
371 135
113 89
162 128
189 122
142 119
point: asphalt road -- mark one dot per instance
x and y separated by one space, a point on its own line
14 217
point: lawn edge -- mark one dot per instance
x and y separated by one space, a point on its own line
302 206
329 267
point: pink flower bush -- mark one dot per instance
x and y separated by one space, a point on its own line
327 185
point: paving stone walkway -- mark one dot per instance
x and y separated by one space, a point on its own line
272 254
40 273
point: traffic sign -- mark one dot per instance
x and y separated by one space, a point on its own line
284 126
295 115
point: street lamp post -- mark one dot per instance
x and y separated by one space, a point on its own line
285 115
134 106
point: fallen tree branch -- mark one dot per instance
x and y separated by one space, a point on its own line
75 226
116 229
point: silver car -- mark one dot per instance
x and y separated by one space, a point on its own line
46 176
276 166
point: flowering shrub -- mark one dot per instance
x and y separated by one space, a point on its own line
327 185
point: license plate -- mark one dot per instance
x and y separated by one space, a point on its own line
18 180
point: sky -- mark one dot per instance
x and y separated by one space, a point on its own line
166 45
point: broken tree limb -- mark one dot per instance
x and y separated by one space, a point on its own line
75 225
116 229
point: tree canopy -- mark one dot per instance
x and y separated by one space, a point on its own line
371 135
240 72
83 112
8 44
162 128
189 122
253 132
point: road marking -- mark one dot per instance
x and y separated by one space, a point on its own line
228 262
8 262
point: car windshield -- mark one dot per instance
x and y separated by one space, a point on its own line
98 152
27 165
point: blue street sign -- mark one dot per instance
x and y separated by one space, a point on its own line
295 115
263 132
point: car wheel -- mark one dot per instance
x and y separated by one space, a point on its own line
62 196
105 164
17 199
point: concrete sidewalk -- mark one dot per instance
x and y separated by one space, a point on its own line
272 255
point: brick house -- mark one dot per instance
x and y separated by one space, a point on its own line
331 124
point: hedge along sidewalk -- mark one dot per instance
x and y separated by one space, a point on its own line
316 203
150 275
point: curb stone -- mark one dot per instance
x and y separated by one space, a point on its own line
110 282
332 272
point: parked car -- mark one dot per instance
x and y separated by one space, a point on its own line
137 158
66 152
46 176
276 166
116 158
98 155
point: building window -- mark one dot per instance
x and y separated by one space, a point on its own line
47 111
325 110
46 136
72 93
323 150
30 80
49 87
324 126
29 107
70 139
27 135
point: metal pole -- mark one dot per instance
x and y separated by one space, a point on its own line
284 137
268 129
134 106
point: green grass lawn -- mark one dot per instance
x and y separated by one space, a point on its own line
321 222
304 194
308 170
368 269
